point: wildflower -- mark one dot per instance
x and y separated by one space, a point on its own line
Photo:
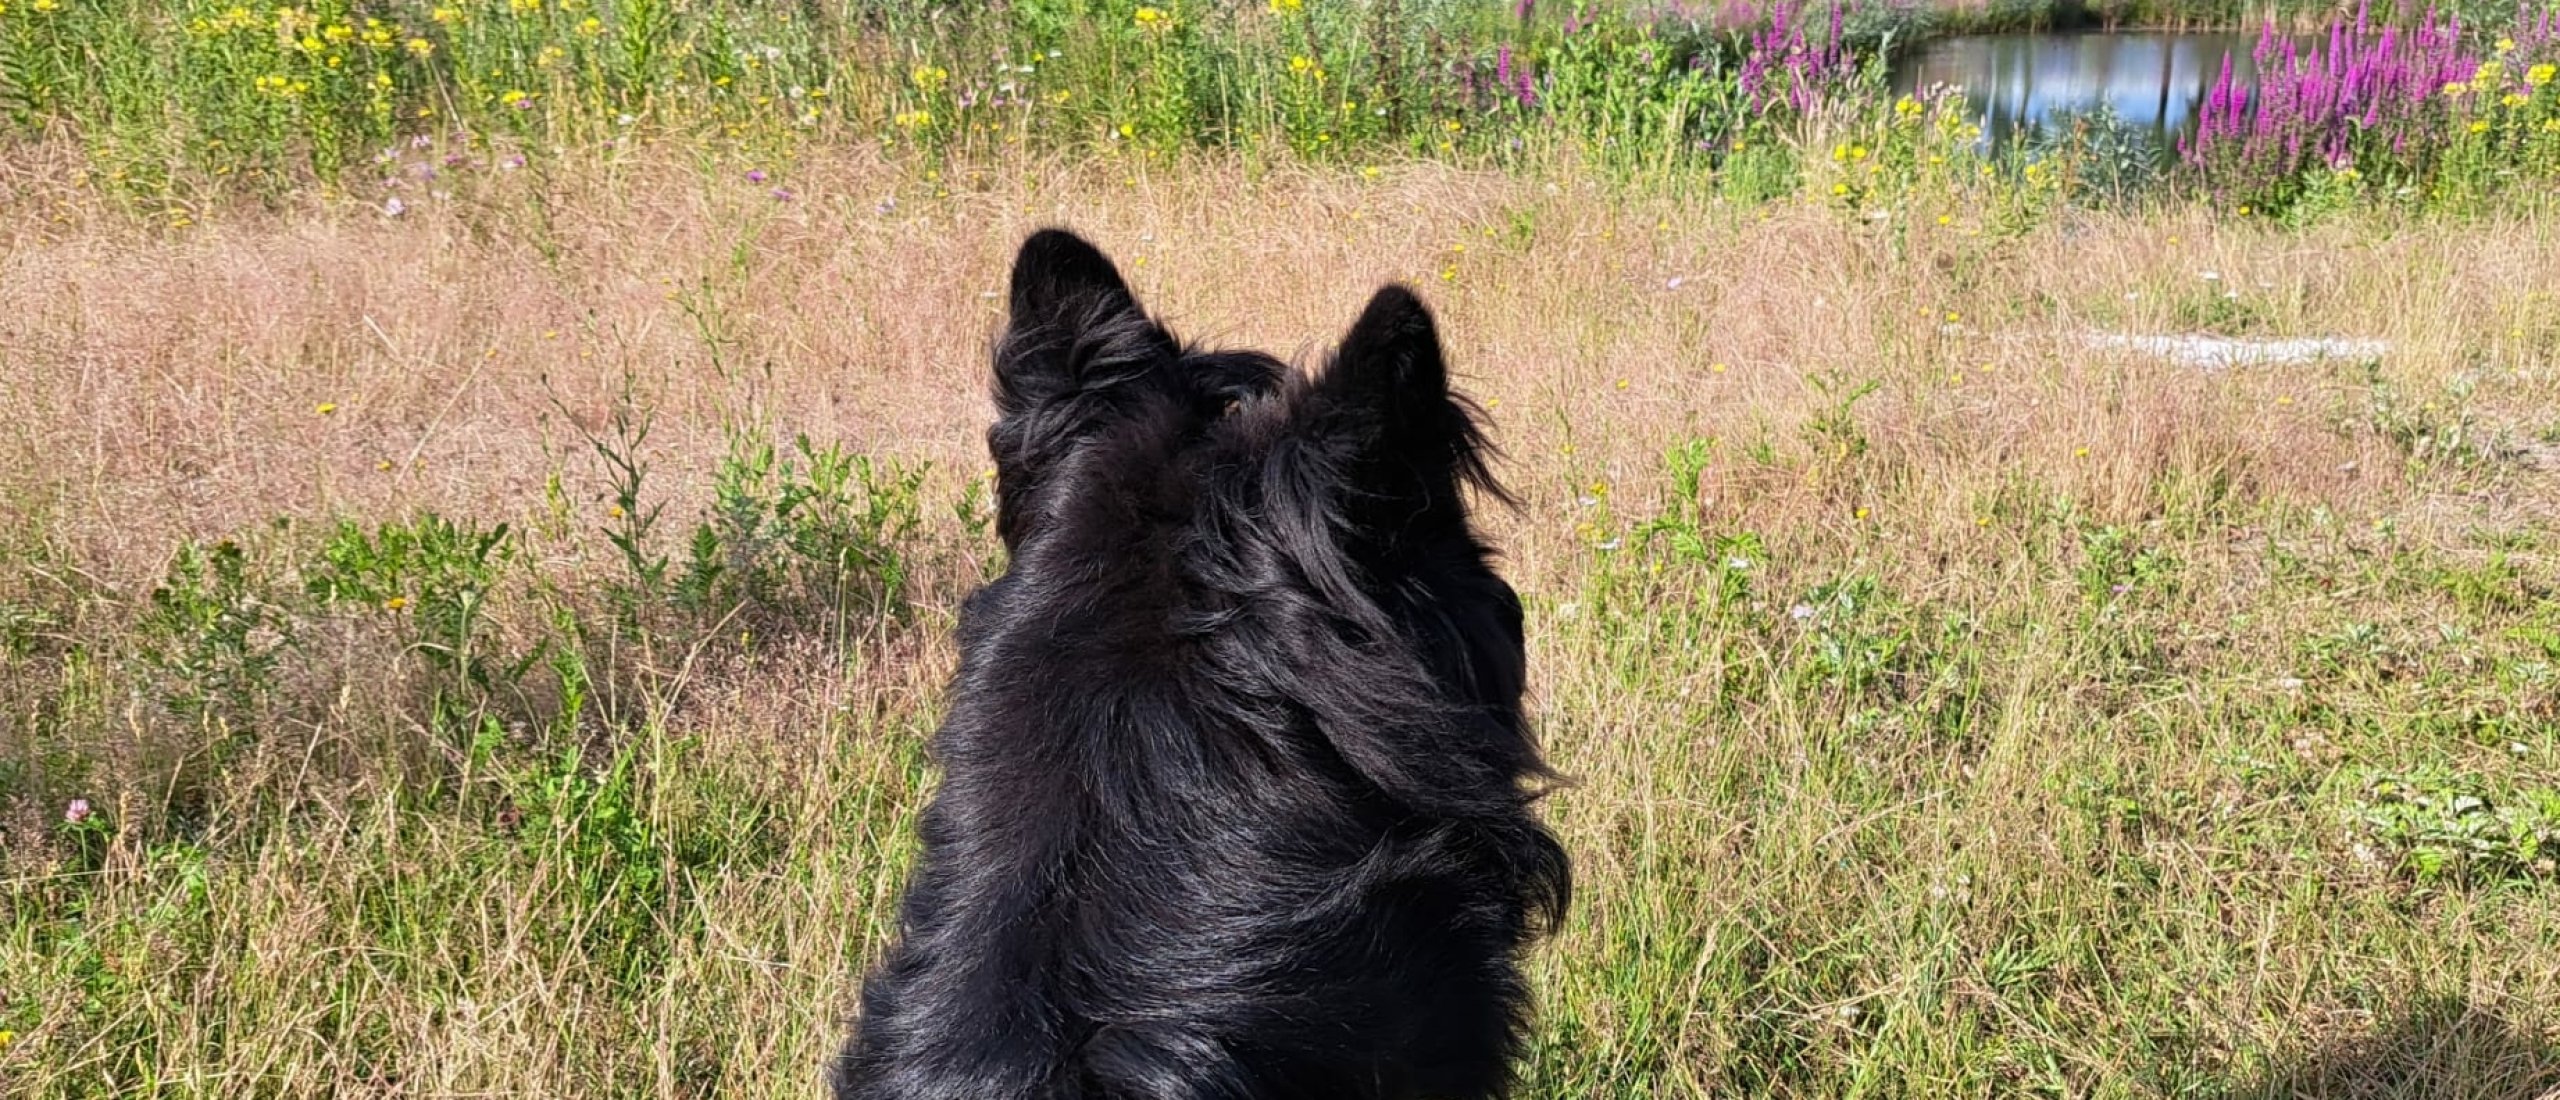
1715 368
48 5
590 26
393 207
929 78
325 408
913 120
1946 219
782 194
2479 126
1800 612
2506 46
78 811
2080 452
517 99
395 603
1369 172
421 48
2541 75
2456 89
1153 18
1300 64
524 7
755 175
1861 513
1282 7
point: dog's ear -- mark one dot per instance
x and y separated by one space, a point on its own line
1074 325
1402 445
1077 355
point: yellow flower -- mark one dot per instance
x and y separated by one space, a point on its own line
1839 189
325 408
1282 6
2479 126
1946 219
48 5
929 78
2455 89
2506 46
591 26
913 120
1300 64
2080 452
516 98
446 16
524 7
421 48
1715 368
2541 75
1153 18
7 1037
395 603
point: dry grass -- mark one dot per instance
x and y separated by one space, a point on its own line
2049 838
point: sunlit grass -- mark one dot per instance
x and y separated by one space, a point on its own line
430 663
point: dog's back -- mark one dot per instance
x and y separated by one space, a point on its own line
1233 799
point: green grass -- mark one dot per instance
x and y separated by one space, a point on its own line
486 645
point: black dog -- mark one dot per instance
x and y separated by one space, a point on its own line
1235 799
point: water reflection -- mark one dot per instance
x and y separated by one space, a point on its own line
2154 82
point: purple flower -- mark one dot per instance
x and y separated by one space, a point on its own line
393 207
77 812
512 162
782 194
755 175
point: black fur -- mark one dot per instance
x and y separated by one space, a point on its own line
1237 789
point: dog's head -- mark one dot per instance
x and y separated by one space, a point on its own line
1191 495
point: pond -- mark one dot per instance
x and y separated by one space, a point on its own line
2155 82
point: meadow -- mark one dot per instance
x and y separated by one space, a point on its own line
473 595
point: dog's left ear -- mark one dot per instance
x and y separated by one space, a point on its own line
1382 411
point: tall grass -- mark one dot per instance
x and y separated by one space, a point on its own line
175 106
489 650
